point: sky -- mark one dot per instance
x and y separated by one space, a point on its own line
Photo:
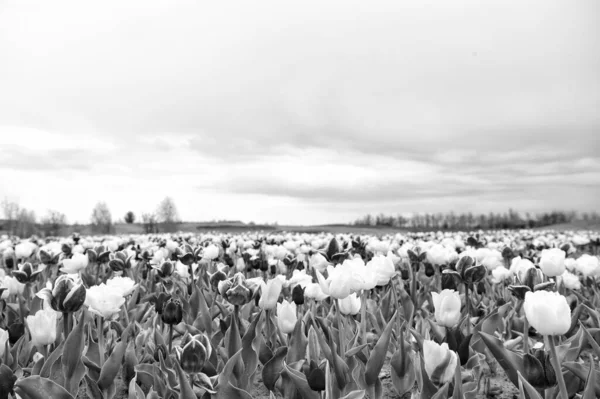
300 112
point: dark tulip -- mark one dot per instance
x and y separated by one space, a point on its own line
166 269
474 274
448 282
300 266
238 295
532 278
45 257
298 295
161 300
429 270
66 296
187 259
116 265
193 357
480 288
172 312
405 274
273 269
7 381
464 263
92 255
519 291
316 378
500 302
9 262
264 265
66 248
15 331
217 277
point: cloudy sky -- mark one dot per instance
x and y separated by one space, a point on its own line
300 112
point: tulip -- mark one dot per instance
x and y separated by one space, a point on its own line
500 274
77 263
286 316
270 292
237 290
210 252
26 273
440 362
298 294
438 255
315 292
172 311
316 377
13 286
588 265
318 262
194 354
42 327
123 285
68 294
383 267
571 281
548 312
3 340
24 250
350 305
552 262
519 267
104 301
447 307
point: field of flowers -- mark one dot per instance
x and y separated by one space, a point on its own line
270 315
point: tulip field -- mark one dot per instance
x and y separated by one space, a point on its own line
488 314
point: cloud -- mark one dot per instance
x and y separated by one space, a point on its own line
309 112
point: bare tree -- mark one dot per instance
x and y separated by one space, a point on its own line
101 218
150 224
167 214
11 210
129 217
53 222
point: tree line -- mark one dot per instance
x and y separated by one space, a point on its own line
471 221
23 222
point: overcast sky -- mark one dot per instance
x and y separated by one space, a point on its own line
304 112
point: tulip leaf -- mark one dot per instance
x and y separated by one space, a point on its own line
111 366
510 361
233 341
300 383
353 351
441 393
228 392
233 370
37 387
298 343
378 354
204 312
591 340
135 392
531 391
249 350
92 388
358 394
72 365
185 389
272 369
402 371
458 385
583 373
589 391
52 358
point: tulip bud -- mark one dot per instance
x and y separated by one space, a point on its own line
286 317
166 269
552 262
429 270
270 292
193 356
447 307
316 377
440 362
172 312
298 294
216 278
15 331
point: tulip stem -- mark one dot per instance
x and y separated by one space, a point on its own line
101 340
564 394
525 335
66 324
468 307
170 338
413 285
338 315
363 317
192 380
